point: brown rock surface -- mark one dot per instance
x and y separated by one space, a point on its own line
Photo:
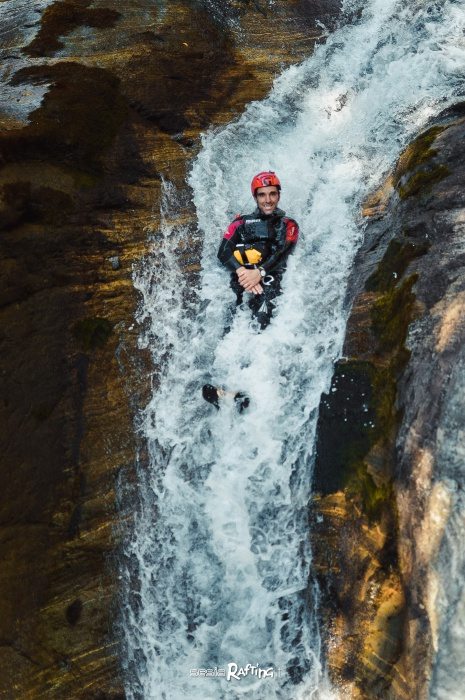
382 500
127 89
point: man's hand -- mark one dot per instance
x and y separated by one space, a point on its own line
250 280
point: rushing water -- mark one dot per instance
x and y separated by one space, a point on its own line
219 567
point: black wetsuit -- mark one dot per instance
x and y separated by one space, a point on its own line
275 236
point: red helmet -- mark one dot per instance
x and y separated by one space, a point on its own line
265 179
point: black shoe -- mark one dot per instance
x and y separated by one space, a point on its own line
210 394
242 401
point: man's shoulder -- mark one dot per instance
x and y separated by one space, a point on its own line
290 222
285 218
292 229
238 220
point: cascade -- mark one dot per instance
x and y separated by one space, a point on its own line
218 564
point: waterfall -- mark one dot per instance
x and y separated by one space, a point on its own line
218 565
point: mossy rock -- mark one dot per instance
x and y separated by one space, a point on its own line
422 181
361 408
391 315
414 175
374 498
417 153
396 260
348 412
92 333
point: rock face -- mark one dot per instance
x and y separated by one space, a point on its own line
382 498
102 101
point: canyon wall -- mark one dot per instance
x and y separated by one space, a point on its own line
100 102
383 487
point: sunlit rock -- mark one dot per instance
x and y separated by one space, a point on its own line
386 470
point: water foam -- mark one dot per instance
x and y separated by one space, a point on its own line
219 565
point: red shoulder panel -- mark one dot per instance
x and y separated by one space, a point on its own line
292 230
232 228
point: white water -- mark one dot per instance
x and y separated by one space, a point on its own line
218 567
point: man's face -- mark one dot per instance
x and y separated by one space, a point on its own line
267 199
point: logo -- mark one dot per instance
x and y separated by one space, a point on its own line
234 672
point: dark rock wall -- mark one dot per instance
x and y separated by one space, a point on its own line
381 502
127 87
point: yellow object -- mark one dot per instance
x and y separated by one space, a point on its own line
250 256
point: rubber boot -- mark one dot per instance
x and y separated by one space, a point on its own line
242 401
210 394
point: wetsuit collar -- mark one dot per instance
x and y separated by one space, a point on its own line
277 212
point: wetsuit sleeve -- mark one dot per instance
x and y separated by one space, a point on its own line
279 257
228 244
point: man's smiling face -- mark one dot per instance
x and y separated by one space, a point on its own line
267 199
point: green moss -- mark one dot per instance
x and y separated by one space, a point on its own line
396 259
92 333
357 413
361 409
418 152
423 181
391 315
61 19
374 499
374 423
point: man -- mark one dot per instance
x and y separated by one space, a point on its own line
256 246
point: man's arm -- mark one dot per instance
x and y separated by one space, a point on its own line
228 245
249 279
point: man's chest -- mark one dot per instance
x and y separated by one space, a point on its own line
259 230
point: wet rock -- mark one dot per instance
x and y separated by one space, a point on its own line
114 262
380 507
104 101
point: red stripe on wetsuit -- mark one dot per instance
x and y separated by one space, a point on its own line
232 228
